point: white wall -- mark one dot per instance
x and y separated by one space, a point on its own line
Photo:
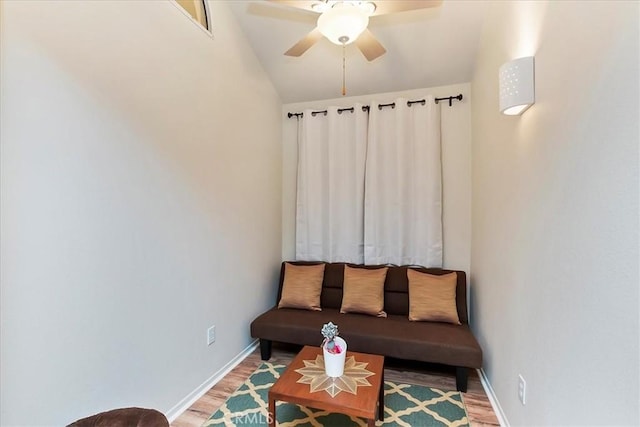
456 158
554 261
141 203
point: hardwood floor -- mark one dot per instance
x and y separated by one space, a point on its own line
479 409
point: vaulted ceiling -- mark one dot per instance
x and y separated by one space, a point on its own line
425 48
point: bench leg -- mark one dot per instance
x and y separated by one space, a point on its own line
462 374
265 349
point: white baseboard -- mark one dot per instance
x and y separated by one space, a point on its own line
502 418
196 394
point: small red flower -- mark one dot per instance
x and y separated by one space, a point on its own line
335 350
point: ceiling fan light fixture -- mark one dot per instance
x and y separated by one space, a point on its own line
343 23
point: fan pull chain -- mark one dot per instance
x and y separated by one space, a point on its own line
344 68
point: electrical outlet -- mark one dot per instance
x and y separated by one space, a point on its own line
522 389
211 335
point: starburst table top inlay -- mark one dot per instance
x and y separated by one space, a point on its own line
355 375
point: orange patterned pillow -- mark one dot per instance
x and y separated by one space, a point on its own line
302 286
363 291
432 297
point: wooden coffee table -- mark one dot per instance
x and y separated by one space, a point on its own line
362 404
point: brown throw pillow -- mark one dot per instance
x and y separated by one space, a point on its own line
302 286
432 297
363 291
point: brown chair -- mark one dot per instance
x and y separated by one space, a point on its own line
125 417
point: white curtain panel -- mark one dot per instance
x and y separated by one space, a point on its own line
330 193
403 196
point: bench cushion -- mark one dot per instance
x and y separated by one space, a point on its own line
423 341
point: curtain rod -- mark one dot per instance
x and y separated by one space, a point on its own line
380 106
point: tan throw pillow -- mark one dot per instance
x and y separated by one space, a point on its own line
363 291
432 297
302 286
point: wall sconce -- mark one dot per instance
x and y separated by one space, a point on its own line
517 88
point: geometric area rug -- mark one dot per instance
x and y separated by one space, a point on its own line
405 405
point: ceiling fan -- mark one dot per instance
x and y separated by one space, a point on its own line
345 22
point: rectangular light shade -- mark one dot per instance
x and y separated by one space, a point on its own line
517 88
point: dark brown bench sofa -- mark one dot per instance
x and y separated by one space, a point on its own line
394 336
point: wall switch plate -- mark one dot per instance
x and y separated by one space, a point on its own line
522 389
211 335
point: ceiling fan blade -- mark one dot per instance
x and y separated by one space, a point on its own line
305 43
369 46
298 4
386 7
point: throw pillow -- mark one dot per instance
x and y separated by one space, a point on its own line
432 297
302 286
363 291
